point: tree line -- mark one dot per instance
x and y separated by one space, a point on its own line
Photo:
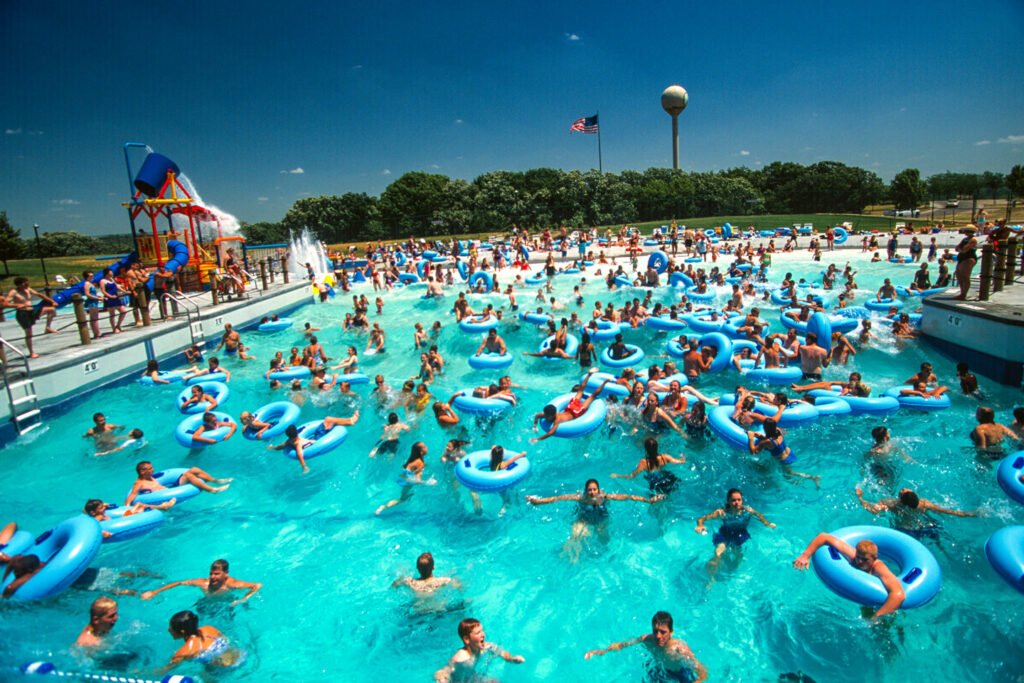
422 204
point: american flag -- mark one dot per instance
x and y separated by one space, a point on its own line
587 124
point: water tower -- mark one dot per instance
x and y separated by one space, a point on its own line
674 101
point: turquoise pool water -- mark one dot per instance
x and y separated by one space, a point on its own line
327 611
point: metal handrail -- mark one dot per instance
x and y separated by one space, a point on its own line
178 297
14 348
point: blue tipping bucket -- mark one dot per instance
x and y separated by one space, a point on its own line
153 174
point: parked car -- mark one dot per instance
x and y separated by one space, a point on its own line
952 203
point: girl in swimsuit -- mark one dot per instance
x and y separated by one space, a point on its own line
202 644
591 513
775 442
412 476
735 518
652 465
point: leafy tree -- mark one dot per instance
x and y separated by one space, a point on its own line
1015 180
63 244
907 190
264 233
11 245
993 182
409 204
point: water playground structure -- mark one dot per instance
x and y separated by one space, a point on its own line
186 247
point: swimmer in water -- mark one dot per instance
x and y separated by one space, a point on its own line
652 465
775 442
989 435
102 617
733 533
427 583
219 584
388 443
673 659
592 513
910 512
462 665
411 477
145 483
865 558
202 644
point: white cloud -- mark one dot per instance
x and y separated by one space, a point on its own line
295 171
1012 140
357 67
434 166
744 153
65 202
903 108
305 194
35 132
572 37
13 131
386 171
979 143
262 199
458 120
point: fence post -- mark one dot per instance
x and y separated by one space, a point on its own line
284 267
214 286
80 319
999 272
986 272
1011 260
270 267
263 274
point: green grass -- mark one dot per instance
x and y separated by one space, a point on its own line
61 265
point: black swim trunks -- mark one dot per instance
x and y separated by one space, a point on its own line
26 318
816 376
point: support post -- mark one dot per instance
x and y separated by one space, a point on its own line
270 267
263 274
142 294
284 267
1011 260
214 290
986 272
999 272
80 319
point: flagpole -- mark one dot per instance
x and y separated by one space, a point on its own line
599 167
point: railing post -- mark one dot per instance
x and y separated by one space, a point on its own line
284 268
80 319
986 272
1011 260
270 267
999 272
263 274
214 293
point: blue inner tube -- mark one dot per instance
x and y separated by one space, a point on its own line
538 279
290 373
487 361
694 259
439 259
478 324
675 349
353 378
880 406
723 350
678 279
585 424
854 312
613 388
467 403
408 278
658 260
665 323
463 269
918 572
400 258
692 293
168 478
797 414
536 318
698 323
275 325
172 376
218 390
1005 552
650 243
606 330
775 376
623 281
922 403
19 542
720 421
840 234
1008 475
67 550
218 376
571 345
421 269
428 254
125 528
882 305
279 415
481 275
474 472
832 406
324 441
187 427
636 354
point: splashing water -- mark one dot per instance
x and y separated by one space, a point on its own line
229 226
305 248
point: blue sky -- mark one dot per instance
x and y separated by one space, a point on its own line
264 103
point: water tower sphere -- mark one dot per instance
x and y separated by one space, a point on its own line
674 99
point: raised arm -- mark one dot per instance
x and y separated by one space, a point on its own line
714 514
198 583
932 507
755 513
873 508
804 559
534 500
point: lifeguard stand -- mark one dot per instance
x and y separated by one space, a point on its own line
157 191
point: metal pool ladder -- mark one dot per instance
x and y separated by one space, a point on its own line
21 389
